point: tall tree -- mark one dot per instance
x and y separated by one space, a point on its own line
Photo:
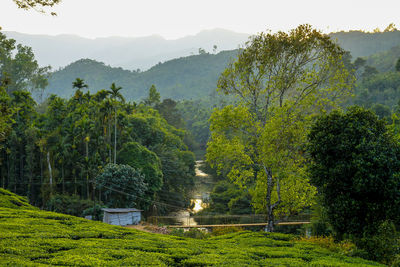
5 114
115 94
79 84
280 80
154 97
113 182
356 168
19 69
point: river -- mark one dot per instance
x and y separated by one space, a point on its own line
200 196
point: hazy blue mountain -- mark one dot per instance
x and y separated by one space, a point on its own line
145 52
129 53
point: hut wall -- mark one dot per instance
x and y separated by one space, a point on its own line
122 218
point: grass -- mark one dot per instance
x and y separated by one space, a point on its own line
31 237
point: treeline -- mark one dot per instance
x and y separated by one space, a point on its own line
60 152
92 149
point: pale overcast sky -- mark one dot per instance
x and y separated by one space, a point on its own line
176 18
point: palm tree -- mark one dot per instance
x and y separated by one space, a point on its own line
79 83
114 93
106 112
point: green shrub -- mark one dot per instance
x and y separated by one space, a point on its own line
98 213
216 231
196 233
13 201
72 205
177 232
384 246
343 247
42 238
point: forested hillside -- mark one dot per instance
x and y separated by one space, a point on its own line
362 44
195 76
182 78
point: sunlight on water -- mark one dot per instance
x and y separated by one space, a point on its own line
197 205
198 171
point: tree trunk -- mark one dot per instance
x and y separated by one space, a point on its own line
270 220
109 141
94 200
41 167
50 172
271 207
74 174
3 177
87 169
63 178
21 168
115 136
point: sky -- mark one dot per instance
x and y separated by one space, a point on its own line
173 19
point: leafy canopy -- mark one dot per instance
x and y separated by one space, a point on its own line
280 80
114 179
355 166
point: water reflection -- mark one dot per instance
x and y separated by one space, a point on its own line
199 199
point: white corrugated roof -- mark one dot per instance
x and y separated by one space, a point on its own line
120 210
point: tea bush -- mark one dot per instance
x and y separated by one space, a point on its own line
225 230
31 237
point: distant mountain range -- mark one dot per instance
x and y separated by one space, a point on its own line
178 71
145 52
128 53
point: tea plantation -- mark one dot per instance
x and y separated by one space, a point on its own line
31 237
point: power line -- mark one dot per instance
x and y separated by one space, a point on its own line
147 200
120 187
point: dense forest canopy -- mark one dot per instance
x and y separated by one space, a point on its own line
53 153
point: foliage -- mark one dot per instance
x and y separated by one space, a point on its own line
33 237
320 226
142 159
114 178
19 69
170 113
344 247
153 98
384 245
72 205
35 4
5 114
385 61
228 198
217 231
382 88
355 166
13 201
191 233
62 150
196 113
280 80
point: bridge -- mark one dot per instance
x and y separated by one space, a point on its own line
234 225
223 220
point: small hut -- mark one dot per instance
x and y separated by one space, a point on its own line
122 216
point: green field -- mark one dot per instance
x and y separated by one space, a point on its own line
30 237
